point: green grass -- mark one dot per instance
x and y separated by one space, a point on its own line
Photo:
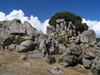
37 46
61 39
19 40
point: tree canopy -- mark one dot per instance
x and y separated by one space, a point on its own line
67 16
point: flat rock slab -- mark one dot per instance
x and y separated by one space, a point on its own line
26 64
54 69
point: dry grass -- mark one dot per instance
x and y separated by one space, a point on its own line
11 63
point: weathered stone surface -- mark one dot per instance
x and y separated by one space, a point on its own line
89 55
87 63
12 47
88 36
5 40
61 48
66 44
95 67
40 32
42 45
16 27
34 56
77 39
11 27
54 69
26 64
88 58
50 59
60 20
70 59
41 37
50 29
64 64
21 48
23 57
51 51
92 44
31 31
75 50
27 37
98 44
57 28
29 44
63 33
70 33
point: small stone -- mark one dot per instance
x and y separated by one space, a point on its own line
54 69
23 57
26 64
50 59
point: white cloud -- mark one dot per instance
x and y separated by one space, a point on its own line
95 25
2 16
19 14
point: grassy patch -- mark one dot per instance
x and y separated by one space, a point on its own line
61 39
19 40
37 46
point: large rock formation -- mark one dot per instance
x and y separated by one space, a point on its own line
15 27
72 55
62 28
88 36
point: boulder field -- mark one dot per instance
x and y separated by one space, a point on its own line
61 46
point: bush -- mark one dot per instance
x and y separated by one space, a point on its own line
37 46
19 40
98 39
80 26
61 38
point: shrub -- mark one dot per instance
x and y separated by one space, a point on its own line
80 27
37 46
97 39
60 60
19 40
46 36
61 38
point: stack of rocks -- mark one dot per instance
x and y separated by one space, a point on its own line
62 28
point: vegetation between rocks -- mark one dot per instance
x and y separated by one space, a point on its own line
19 40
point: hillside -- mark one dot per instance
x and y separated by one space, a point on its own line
26 51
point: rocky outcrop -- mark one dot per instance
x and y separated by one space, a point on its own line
25 46
7 40
49 46
29 44
15 27
95 68
50 59
29 30
72 55
62 28
20 48
88 36
88 58
11 27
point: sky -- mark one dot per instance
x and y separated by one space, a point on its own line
38 12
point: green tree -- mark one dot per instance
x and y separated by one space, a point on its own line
80 26
67 16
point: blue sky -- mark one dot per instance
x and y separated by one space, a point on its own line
41 10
